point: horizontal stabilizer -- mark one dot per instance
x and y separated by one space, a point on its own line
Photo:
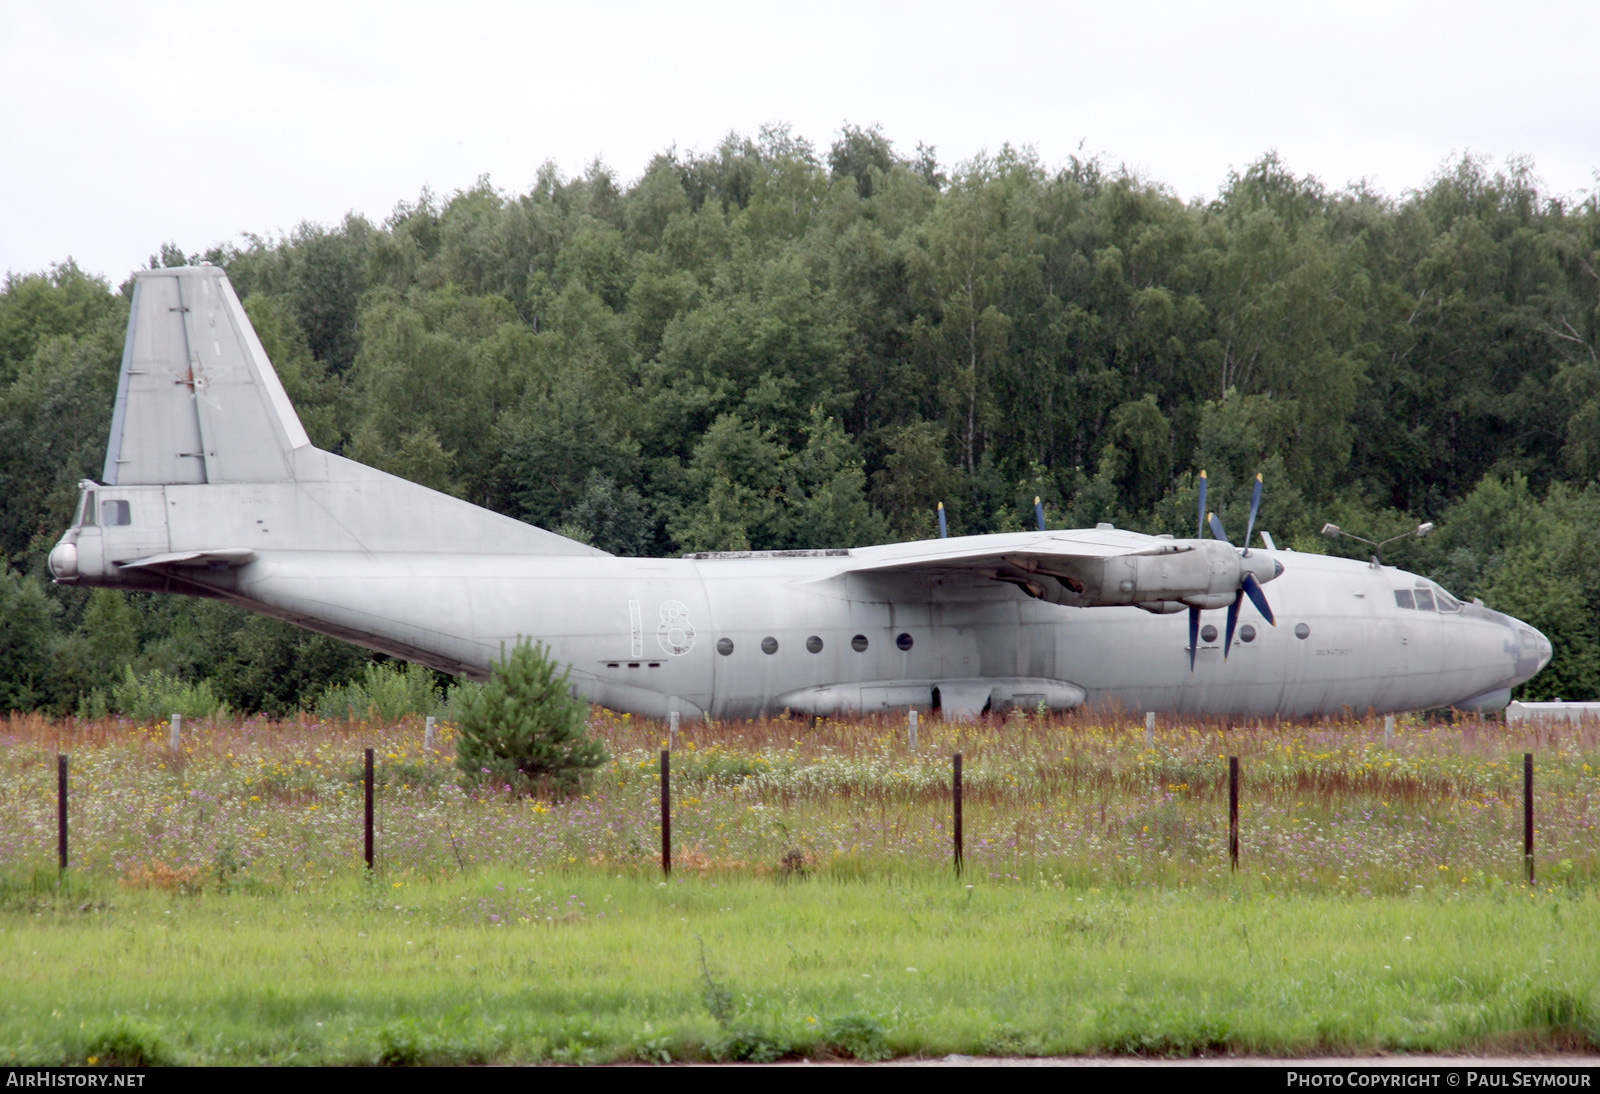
225 556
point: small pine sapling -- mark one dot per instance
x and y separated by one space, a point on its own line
524 729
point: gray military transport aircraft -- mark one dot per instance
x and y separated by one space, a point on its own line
212 488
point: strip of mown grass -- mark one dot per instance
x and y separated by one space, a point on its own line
584 965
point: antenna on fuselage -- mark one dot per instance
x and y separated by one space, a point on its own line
1333 531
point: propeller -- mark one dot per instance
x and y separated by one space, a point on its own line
1255 507
943 532
1194 636
1248 586
1038 512
1194 613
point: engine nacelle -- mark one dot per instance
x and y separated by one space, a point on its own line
1196 573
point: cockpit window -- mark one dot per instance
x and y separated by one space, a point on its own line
86 511
1426 598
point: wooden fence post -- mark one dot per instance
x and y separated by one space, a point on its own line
956 789
61 811
368 824
1233 812
666 812
1527 813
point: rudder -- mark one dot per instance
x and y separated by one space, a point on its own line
197 400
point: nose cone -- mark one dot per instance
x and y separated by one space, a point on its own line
1530 650
1542 648
1508 652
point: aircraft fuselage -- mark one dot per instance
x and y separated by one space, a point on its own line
737 637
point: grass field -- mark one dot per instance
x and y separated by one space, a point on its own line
217 909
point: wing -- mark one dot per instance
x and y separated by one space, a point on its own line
1087 568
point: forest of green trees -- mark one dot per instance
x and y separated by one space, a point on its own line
773 346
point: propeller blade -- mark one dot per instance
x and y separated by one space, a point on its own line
942 531
1216 528
1038 511
1255 507
1201 534
1252 589
1194 635
1233 621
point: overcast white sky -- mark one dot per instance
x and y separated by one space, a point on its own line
124 125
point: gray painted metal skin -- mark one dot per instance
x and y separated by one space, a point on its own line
212 488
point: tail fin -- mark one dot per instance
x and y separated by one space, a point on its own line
199 406
197 401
